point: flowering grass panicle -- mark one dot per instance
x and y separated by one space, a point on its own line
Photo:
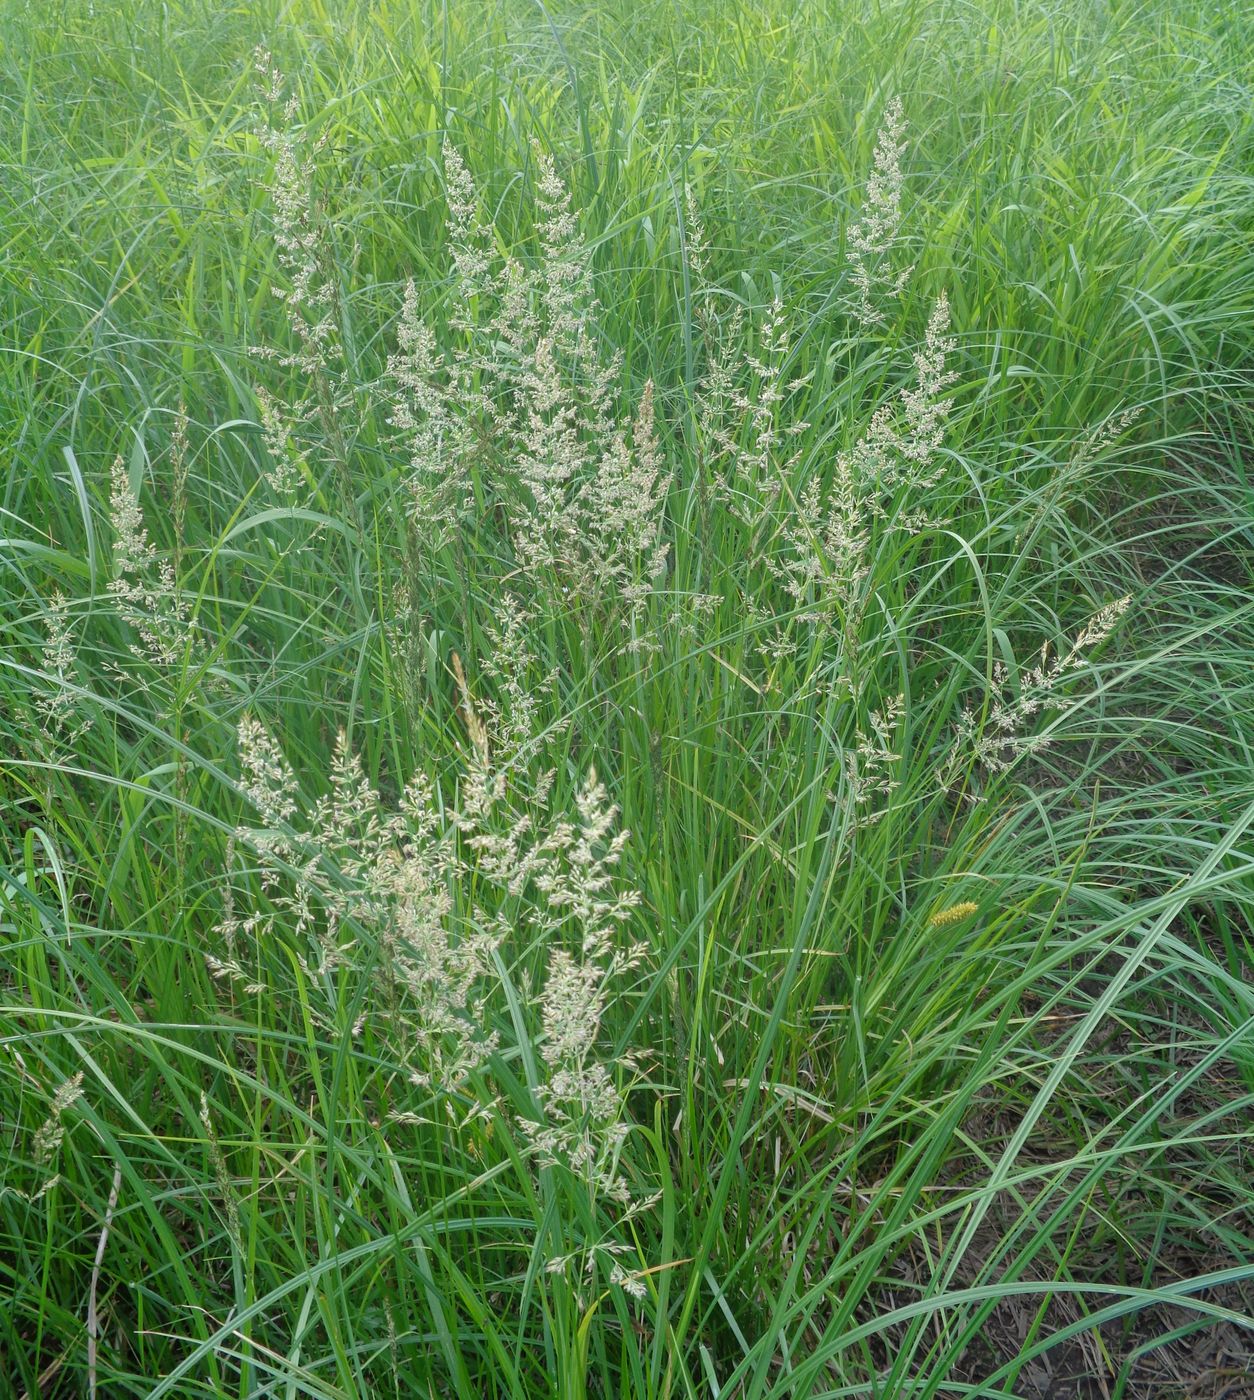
584 1117
48 1137
870 765
952 914
822 558
469 238
51 1134
526 383
562 390
1077 470
308 292
144 586
591 494
287 469
561 878
299 236
429 409
377 889
269 785
716 390
875 236
924 409
372 888
436 964
512 714
623 505
896 457
821 554
554 458
1005 736
755 433
565 281
57 707
815 540
227 1194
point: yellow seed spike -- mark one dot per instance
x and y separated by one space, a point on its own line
476 730
952 915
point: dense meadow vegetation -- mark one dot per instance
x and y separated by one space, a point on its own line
627 758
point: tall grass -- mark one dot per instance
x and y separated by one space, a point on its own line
584 810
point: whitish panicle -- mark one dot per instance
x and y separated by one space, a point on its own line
512 714
269 783
307 290
898 452
584 881
470 240
285 473
526 381
442 966
570 896
593 498
897 459
52 1132
584 1117
622 508
875 237
383 888
299 238
566 272
631 1283
755 433
432 402
555 457
1095 631
356 875
1072 473
870 766
641 502
925 409
143 584
57 706
1005 736
50 1135
746 423
270 81
694 232
822 559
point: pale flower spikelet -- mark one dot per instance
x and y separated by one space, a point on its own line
1005 736
870 766
875 236
144 586
57 707
348 876
584 1122
49 1136
308 292
517 379
434 407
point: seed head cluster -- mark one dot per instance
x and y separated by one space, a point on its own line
875 236
1005 736
392 892
144 586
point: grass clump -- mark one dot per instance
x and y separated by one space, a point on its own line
625 691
